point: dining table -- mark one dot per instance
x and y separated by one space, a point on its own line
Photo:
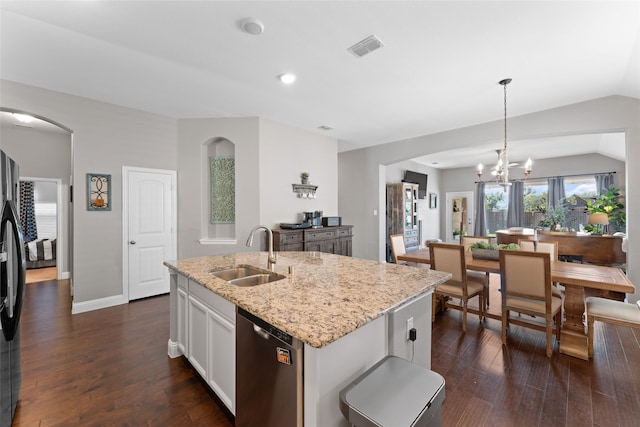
579 281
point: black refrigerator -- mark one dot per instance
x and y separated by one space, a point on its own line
12 277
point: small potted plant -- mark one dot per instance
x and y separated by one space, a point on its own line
554 217
304 178
484 250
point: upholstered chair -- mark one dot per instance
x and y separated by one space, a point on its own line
451 258
468 241
526 288
397 247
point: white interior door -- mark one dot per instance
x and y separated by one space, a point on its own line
149 209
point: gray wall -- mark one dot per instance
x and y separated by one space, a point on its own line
269 158
361 172
430 218
44 155
105 138
463 179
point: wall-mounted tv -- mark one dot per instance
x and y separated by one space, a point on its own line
417 178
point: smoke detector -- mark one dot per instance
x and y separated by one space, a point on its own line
366 46
252 26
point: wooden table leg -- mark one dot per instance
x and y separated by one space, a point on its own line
573 339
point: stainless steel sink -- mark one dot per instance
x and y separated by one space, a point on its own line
246 276
236 272
257 279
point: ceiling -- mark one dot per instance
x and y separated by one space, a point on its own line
438 69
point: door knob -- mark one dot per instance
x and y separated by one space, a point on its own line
133 242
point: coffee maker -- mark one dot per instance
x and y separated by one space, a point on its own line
314 218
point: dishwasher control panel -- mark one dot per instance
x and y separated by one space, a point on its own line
270 329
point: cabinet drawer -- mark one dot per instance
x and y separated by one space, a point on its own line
410 233
292 247
344 232
213 300
319 235
286 238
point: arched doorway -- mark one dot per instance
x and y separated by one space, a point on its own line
43 149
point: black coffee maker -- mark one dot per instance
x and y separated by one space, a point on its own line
314 218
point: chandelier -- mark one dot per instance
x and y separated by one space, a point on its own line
501 169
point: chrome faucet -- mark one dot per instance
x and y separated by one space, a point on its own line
271 262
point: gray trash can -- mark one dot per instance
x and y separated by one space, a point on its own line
394 393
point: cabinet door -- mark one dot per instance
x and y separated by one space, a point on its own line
345 246
222 359
326 246
197 336
182 321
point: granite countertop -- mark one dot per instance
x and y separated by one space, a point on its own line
328 296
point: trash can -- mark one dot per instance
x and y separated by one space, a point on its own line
394 393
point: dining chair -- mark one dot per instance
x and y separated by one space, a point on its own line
550 247
397 247
450 258
468 241
526 288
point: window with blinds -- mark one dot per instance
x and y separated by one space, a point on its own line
45 195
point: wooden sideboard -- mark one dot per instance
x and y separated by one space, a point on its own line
600 250
334 240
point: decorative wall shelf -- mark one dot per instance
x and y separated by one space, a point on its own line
305 191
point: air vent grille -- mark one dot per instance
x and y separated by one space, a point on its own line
366 46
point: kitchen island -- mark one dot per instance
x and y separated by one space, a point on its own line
348 312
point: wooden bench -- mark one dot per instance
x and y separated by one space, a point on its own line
610 311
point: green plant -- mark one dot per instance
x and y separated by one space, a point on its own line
554 215
493 246
608 202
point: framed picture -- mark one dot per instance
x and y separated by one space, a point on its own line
433 201
98 192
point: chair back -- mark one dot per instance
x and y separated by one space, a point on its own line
550 247
397 246
449 258
526 274
469 240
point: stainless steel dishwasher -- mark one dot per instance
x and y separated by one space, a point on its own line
269 362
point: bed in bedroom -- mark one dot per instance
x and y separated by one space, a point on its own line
40 253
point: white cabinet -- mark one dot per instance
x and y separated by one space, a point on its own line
206 336
221 375
197 335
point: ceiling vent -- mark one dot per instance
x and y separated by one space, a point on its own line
365 46
325 127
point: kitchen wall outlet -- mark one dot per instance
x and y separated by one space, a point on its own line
375 212
409 325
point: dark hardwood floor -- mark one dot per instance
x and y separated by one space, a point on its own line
110 367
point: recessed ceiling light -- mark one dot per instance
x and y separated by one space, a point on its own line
252 26
287 78
24 118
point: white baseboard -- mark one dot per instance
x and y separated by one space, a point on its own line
64 275
96 304
172 349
